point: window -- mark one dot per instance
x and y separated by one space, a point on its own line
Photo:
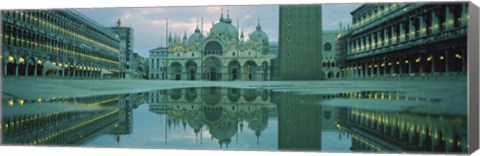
327 47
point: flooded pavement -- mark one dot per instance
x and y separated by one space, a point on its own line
242 119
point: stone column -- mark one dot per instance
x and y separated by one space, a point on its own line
378 68
362 44
74 70
26 68
372 38
400 65
434 22
5 64
357 72
35 71
349 45
394 35
409 64
367 43
433 64
372 66
362 70
423 27
385 66
385 37
402 32
379 39
448 17
446 62
420 70
16 69
464 14
63 71
464 60
392 67
411 32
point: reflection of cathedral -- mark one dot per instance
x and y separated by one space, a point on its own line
224 112
222 55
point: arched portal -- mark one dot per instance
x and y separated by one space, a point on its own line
191 68
330 75
212 69
234 70
249 70
22 65
11 65
176 70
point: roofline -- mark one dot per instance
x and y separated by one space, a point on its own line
359 8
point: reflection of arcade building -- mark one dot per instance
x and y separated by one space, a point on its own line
222 55
223 112
47 122
399 131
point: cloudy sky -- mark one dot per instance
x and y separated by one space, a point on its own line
149 22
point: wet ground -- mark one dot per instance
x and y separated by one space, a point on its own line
328 116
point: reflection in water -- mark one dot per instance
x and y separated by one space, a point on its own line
227 115
223 111
65 121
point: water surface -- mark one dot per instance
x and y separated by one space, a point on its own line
241 119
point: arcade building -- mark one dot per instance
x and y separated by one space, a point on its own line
58 43
406 40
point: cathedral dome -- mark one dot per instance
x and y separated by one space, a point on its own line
259 35
196 37
225 28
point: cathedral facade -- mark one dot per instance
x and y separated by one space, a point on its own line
224 54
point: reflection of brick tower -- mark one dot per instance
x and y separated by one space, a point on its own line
299 122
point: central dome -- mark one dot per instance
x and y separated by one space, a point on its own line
225 28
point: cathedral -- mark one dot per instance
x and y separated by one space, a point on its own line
224 54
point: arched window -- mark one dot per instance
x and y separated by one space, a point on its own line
327 47
213 48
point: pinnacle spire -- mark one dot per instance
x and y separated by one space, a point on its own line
258 25
221 17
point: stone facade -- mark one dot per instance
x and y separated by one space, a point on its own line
221 55
329 65
57 43
395 40
126 42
